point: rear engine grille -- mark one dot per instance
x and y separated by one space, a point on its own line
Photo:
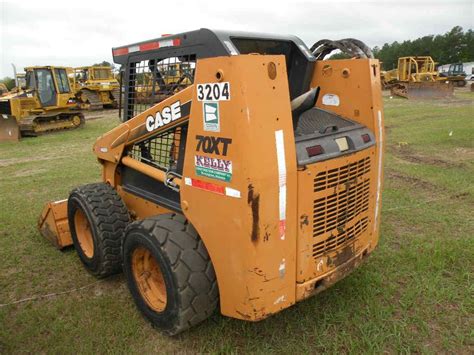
336 210
28 104
341 205
341 239
328 179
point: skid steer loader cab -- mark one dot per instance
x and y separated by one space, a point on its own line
247 174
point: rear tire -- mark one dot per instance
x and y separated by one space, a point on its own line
97 219
169 272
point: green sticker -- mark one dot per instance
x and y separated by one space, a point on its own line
211 116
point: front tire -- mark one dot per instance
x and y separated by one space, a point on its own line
169 272
97 219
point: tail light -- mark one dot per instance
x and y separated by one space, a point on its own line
314 150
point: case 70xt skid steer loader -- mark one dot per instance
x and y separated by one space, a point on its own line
254 187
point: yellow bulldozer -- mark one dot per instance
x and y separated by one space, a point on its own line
96 87
416 78
3 89
252 188
46 103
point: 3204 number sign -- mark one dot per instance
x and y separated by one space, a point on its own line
214 92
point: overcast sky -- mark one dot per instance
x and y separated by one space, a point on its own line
76 33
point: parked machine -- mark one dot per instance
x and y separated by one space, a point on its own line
96 87
416 78
45 103
455 74
254 187
3 89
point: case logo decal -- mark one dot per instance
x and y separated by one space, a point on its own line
167 115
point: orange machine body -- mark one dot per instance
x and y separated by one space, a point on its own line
276 231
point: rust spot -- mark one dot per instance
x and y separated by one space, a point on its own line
266 236
304 221
342 256
245 316
253 199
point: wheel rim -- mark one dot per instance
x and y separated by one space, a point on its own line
149 279
76 121
84 233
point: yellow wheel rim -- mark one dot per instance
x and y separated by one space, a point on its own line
84 233
149 279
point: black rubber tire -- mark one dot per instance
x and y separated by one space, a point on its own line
190 280
108 217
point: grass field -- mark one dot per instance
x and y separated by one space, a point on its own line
415 294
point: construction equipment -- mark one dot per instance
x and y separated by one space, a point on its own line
416 78
455 74
47 103
255 187
96 87
3 89
20 82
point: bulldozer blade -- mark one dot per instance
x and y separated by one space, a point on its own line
53 224
424 90
9 130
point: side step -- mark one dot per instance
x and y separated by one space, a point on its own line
53 224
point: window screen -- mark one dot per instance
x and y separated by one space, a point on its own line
153 80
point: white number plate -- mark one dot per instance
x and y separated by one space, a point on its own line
214 92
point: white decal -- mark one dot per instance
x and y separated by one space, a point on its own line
213 92
232 192
168 114
211 116
320 265
331 100
282 269
280 149
166 43
379 167
280 299
133 49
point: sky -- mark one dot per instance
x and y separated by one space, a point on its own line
83 32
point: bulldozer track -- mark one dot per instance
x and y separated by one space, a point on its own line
35 126
93 100
116 97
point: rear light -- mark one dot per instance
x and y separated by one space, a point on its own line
314 150
366 138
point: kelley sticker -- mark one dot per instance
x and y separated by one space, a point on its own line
214 168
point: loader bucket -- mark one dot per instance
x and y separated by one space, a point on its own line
53 224
9 130
424 90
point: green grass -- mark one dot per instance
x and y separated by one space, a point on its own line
415 294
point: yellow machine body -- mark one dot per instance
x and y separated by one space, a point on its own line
45 103
416 78
96 87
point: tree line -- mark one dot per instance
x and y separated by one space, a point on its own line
454 46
